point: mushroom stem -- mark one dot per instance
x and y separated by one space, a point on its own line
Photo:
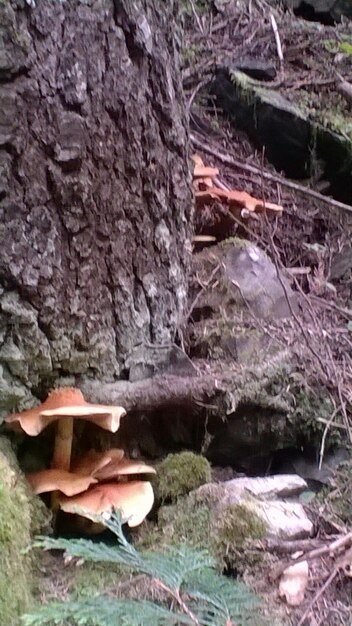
63 444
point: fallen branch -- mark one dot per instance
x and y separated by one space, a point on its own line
152 393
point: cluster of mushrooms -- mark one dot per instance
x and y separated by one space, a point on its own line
208 188
98 482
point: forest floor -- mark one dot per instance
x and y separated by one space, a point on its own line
313 229
310 238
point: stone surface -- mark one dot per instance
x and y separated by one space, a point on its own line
246 279
282 485
285 520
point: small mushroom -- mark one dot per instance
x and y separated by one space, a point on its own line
134 499
59 480
64 405
236 199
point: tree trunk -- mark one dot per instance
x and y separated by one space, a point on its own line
95 197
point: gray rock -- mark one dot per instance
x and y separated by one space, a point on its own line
281 485
261 285
285 520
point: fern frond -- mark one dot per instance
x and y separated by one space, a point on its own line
203 597
105 611
171 568
220 600
175 566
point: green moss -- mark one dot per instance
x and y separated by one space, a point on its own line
235 530
198 521
239 523
179 474
91 579
21 515
346 47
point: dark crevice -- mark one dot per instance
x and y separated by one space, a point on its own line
21 72
307 12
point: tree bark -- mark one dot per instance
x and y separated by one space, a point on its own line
95 197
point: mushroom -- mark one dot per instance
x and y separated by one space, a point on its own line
206 191
59 480
64 405
74 485
125 467
236 199
134 499
94 461
110 464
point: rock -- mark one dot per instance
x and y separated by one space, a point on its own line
299 134
247 279
282 485
284 520
22 515
264 290
256 68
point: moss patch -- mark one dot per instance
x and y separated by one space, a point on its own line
21 515
199 521
179 474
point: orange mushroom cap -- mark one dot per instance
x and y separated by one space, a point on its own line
66 402
134 499
237 199
59 480
124 467
94 461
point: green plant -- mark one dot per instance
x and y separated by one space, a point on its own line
190 591
180 473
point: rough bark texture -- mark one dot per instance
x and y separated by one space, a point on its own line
95 199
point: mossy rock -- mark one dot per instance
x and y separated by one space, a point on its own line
196 520
21 516
180 473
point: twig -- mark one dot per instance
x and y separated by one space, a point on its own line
317 596
323 439
278 43
203 287
196 16
176 596
228 160
331 305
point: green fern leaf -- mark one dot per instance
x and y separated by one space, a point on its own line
105 611
183 572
